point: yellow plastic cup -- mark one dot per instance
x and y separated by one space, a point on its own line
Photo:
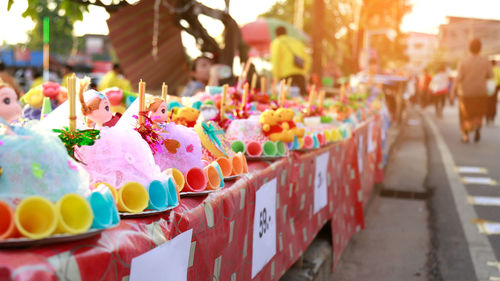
114 193
178 178
75 214
132 198
36 217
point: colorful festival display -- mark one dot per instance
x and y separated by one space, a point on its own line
96 158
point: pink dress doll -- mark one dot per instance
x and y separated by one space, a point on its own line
120 155
180 146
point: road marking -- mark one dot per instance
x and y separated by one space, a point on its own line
471 170
479 180
487 227
484 200
494 278
479 246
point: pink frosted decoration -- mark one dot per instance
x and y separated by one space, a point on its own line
188 154
119 156
246 130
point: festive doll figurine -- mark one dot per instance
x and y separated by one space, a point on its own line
10 109
285 116
33 161
270 125
96 107
186 116
157 111
120 155
180 146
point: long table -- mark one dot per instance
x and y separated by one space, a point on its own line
223 222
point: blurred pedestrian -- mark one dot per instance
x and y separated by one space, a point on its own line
473 72
423 86
493 98
8 79
289 59
115 78
200 76
439 90
66 73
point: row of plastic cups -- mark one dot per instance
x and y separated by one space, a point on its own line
256 149
133 197
36 217
211 177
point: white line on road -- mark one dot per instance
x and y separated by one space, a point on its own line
479 180
471 170
484 200
479 246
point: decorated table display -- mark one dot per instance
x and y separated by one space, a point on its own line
144 157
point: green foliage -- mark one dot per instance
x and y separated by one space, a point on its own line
62 15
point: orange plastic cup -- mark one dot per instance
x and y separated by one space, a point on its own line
243 161
225 166
7 225
213 179
237 165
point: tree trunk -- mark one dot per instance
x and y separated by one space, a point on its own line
318 32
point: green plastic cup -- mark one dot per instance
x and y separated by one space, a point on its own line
270 148
238 146
281 148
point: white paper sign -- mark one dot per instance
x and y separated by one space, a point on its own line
370 144
264 226
320 185
361 153
167 262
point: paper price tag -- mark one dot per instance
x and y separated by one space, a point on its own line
167 262
320 184
264 226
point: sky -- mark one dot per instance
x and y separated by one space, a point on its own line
426 16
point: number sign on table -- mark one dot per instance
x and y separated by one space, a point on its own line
264 226
320 182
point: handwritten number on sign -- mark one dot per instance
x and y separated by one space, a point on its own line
320 180
264 222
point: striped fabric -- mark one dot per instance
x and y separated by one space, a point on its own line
131 34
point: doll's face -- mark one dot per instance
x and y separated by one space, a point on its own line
103 114
10 109
161 114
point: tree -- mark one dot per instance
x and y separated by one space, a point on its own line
345 24
62 15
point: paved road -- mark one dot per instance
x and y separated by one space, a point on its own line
460 250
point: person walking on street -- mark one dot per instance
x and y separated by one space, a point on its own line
473 72
439 90
289 59
493 99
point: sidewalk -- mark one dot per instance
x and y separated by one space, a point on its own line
395 242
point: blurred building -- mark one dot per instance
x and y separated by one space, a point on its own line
454 37
420 49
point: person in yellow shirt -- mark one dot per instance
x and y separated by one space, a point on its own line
493 100
67 71
115 78
289 59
